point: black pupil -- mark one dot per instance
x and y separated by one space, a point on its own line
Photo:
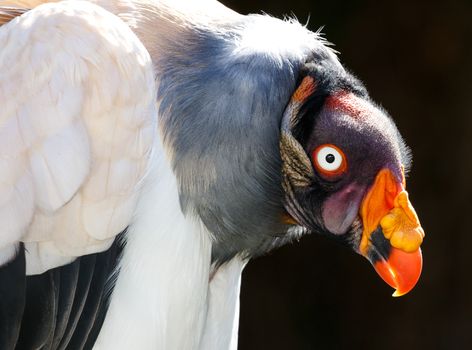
330 158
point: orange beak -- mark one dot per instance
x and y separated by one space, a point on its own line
392 233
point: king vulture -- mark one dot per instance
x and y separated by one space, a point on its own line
149 149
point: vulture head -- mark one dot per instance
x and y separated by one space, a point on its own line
344 165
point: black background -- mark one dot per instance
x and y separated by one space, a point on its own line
415 59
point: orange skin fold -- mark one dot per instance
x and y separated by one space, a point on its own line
387 206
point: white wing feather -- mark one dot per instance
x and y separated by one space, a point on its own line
77 123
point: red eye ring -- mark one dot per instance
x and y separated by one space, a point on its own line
329 160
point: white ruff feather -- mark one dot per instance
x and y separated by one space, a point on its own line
159 300
222 324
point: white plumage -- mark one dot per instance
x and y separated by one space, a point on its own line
78 120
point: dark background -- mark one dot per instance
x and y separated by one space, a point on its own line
415 59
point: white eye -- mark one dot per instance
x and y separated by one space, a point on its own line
329 160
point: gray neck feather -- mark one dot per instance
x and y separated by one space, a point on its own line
224 82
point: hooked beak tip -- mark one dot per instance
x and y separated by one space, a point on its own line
401 270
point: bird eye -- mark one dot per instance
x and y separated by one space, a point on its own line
329 160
